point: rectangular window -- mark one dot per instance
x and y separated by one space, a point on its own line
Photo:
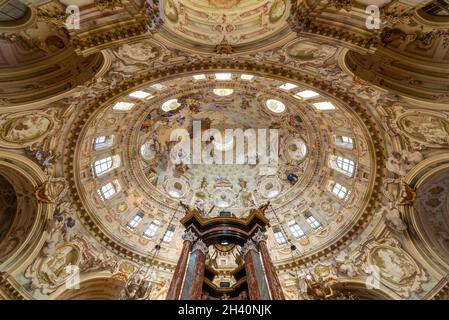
169 234
223 76
313 222
101 139
246 76
326 105
103 165
152 228
288 86
340 191
107 191
345 165
103 142
123 106
345 142
296 230
279 236
135 221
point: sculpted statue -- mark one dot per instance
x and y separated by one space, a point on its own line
138 287
50 272
187 208
393 218
398 192
54 236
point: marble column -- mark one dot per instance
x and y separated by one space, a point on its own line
272 278
193 282
257 287
178 276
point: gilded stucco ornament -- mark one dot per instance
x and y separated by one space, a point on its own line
52 191
49 272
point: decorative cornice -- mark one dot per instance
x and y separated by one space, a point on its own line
8 288
303 20
140 25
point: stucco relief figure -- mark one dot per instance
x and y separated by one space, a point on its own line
138 287
394 265
306 51
170 10
277 10
53 238
52 270
25 129
425 127
142 51
393 218
401 162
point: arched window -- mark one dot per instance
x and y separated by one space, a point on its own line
134 222
123 106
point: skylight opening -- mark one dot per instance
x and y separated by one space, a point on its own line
307 94
223 76
199 76
288 86
246 77
222 92
158 86
123 106
324 105
139 94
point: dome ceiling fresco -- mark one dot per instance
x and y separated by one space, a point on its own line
113 133
156 184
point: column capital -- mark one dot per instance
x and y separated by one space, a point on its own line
189 235
201 246
260 236
249 245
